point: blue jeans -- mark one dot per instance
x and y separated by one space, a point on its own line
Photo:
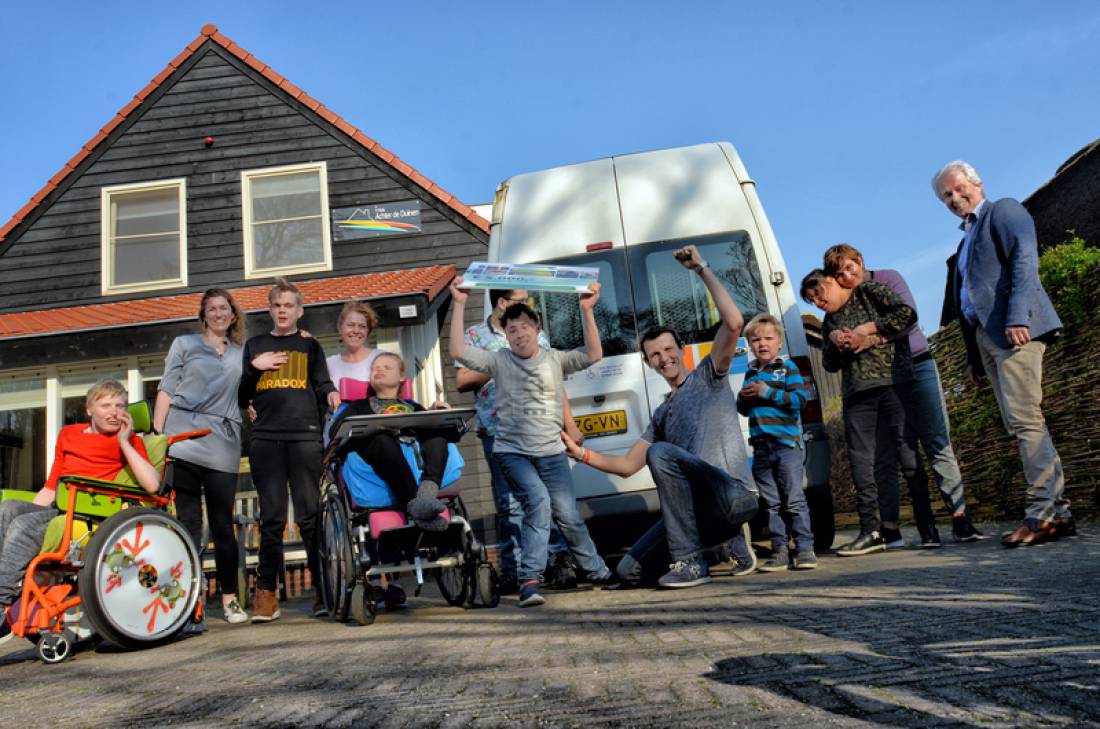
510 516
935 435
777 470
648 557
22 526
701 505
544 485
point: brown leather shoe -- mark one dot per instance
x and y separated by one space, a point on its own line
1065 527
267 606
1030 533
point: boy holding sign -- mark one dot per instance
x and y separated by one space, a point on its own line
529 381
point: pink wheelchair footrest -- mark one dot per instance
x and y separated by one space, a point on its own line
380 521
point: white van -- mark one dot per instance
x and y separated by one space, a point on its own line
625 215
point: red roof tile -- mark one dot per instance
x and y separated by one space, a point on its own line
428 281
210 33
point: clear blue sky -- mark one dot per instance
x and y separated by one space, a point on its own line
841 111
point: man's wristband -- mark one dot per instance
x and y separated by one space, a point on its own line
585 455
702 267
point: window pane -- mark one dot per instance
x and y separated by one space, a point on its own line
153 258
670 295
561 316
294 243
22 433
286 196
148 211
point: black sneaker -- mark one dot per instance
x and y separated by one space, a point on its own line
319 610
929 537
5 629
610 581
963 530
529 594
892 538
394 597
779 561
561 572
863 544
194 627
509 585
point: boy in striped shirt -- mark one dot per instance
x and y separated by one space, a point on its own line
772 397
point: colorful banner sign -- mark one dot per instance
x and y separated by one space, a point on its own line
530 276
371 221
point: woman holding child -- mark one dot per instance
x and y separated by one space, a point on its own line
929 411
199 391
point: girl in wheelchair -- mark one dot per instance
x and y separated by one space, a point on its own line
382 450
99 449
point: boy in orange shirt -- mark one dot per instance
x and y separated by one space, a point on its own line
99 449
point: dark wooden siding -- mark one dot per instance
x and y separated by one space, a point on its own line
56 260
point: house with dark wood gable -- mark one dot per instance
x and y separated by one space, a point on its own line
220 172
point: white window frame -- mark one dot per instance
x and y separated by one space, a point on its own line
106 257
250 270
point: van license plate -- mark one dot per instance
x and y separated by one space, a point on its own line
595 425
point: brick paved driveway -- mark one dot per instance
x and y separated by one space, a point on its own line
969 635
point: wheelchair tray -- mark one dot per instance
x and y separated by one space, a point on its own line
362 425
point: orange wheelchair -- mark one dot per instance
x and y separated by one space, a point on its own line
114 565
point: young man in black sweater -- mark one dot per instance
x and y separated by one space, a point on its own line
285 379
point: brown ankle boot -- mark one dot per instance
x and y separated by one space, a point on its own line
267 606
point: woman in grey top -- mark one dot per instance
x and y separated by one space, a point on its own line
199 391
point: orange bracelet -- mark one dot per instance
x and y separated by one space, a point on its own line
586 456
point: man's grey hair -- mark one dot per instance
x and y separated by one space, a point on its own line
965 167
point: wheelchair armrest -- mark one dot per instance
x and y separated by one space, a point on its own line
111 489
80 483
173 439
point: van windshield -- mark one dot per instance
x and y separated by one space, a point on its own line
561 316
667 294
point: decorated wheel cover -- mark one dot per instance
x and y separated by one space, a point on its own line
145 575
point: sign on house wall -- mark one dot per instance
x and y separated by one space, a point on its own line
371 221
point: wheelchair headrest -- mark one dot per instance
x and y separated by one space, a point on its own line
142 415
360 390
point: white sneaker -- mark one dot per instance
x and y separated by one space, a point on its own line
234 614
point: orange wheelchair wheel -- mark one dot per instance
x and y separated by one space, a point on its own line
141 578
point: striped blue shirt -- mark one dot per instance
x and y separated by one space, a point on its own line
777 411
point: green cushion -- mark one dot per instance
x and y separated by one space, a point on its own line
55 530
156 447
141 415
16 495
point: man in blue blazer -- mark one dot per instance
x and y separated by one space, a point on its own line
1007 321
